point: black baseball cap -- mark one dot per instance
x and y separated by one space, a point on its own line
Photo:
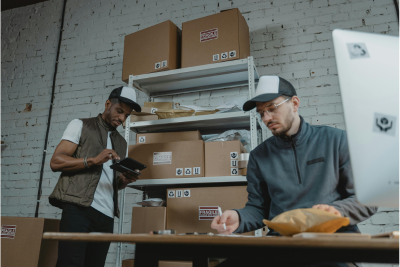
126 95
269 88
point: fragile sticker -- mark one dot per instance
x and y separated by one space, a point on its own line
186 193
163 64
179 171
179 193
209 35
171 193
234 155
142 139
234 163
188 171
224 55
158 65
208 212
232 54
196 170
234 171
8 231
160 158
216 57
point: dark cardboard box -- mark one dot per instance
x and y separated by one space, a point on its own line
147 219
128 263
222 158
151 138
22 244
222 34
153 49
170 160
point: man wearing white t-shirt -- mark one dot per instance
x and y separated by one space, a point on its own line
87 189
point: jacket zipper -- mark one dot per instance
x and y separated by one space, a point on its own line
295 157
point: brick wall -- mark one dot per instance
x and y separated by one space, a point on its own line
291 38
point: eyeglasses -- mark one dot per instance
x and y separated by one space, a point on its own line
271 110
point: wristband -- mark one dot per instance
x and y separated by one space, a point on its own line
85 162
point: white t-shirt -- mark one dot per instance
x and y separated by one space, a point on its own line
103 196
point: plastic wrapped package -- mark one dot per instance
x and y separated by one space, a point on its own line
231 135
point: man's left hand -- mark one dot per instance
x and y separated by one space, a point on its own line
127 178
327 208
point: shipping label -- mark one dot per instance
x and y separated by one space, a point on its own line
232 54
209 35
179 171
196 170
153 110
224 55
234 171
171 193
160 158
142 139
216 57
8 231
234 155
186 193
164 64
179 193
208 212
234 163
188 171
158 65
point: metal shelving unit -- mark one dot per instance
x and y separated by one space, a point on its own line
188 80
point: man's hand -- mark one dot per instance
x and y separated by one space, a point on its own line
127 178
104 156
230 218
327 208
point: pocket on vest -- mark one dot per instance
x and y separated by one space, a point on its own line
78 185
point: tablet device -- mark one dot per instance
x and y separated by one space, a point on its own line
128 164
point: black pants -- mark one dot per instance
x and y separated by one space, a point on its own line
83 220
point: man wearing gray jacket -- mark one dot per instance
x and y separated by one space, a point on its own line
301 166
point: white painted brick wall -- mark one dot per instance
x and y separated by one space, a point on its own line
291 38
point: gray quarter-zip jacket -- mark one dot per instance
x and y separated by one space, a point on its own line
311 167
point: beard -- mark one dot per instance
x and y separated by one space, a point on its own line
286 126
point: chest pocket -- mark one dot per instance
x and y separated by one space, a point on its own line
314 161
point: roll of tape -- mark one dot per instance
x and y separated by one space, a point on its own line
244 156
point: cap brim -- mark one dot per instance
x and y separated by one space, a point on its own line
249 105
135 105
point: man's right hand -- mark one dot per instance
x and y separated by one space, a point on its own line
231 220
105 156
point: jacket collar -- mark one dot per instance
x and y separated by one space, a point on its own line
296 138
104 125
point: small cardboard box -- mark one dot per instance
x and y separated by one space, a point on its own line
128 263
193 209
151 138
212 263
170 160
22 243
146 219
219 37
149 108
135 118
221 158
152 49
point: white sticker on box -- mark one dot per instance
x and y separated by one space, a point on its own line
232 54
8 231
179 193
171 193
179 171
224 55
186 193
160 158
196 170
234 171
216 57
234 155
158 65
163 64
208 212
142 139
153 110
188 171
234 163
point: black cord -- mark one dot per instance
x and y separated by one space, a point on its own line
50 112
397 9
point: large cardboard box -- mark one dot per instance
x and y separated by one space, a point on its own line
193 209
170 160
219 37
152 49
128 263
151 138
221 158
22 244
146 219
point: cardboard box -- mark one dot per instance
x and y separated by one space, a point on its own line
149 108
197 207
22 244
219 37
135 118
146 219
151 138
152 49
170 160
221 158
211 263
128 263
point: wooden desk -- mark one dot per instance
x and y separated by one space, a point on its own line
152 248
